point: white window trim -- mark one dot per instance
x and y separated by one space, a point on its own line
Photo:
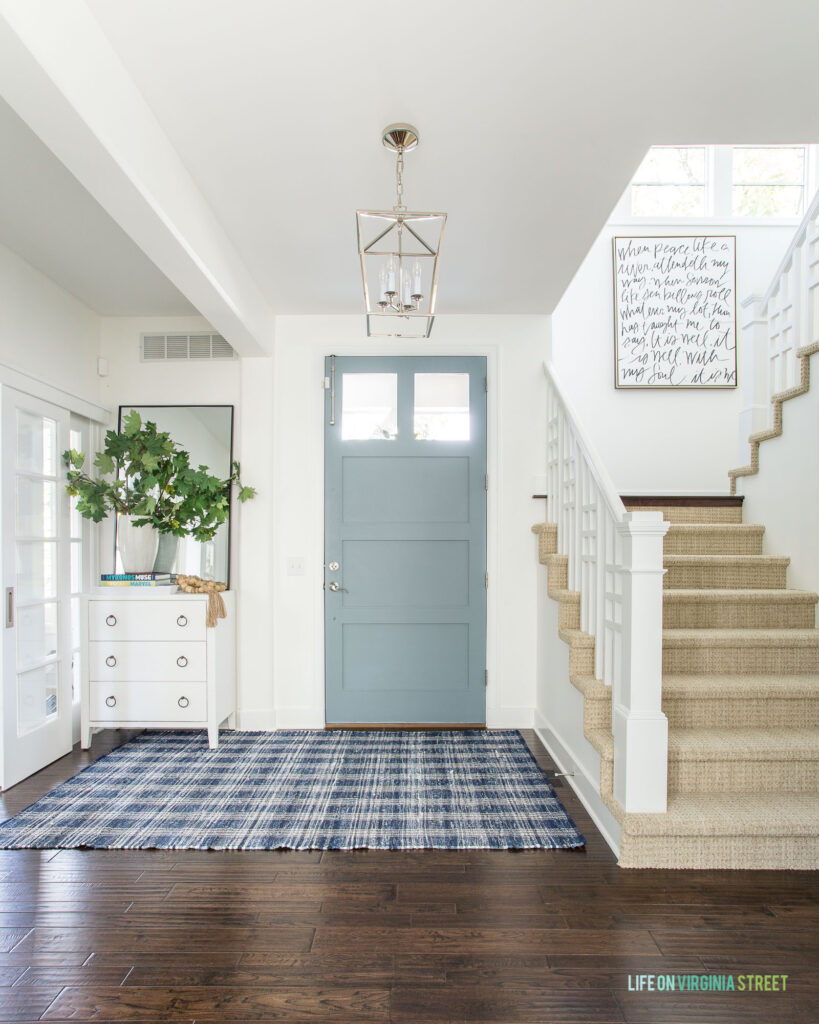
718 179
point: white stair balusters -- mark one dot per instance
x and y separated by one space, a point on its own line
615 561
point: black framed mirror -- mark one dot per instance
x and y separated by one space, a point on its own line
206 432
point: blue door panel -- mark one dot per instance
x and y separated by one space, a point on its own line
405 519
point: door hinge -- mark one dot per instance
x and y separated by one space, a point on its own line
486 384
486 677
486 581
486 482
326 384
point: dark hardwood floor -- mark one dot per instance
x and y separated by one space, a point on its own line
417 936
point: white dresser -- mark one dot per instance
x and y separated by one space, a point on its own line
149 661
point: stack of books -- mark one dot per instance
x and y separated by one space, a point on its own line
138 579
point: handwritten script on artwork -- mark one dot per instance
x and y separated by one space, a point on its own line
675 311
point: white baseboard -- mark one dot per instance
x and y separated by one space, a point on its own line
510 718
256 720
300 718
580 782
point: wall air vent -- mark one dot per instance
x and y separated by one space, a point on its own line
173 347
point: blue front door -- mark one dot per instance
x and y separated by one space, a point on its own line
405 540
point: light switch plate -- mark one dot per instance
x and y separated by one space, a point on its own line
295 565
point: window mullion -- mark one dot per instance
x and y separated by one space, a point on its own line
721 165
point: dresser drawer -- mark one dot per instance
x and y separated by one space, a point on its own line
145 662
141 620
148 702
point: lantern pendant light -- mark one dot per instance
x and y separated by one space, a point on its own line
399 250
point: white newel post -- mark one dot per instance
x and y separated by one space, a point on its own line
640 728
754 370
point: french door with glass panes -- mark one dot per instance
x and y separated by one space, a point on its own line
36 688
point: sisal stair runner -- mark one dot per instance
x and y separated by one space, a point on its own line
741 693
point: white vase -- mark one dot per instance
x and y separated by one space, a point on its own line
137 545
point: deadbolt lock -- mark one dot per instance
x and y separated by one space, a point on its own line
333 566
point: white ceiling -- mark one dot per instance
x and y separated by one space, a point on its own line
533 115
50 220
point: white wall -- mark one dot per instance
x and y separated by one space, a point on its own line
247 384
653 441
45 332
515 348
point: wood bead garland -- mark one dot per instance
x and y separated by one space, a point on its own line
196 585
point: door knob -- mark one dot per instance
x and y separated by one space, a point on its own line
335 588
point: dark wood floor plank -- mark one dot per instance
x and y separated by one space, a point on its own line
160 939
459 941
232 1003
412 1005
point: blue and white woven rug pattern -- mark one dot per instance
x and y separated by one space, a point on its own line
334 790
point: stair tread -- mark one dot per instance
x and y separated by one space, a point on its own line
726 559
750 594
726 814
721 686
715 528
742 744
745 637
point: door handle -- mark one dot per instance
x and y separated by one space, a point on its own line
9 607
335 587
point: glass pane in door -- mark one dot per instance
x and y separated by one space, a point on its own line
38 606
37 697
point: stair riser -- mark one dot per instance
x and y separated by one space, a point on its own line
726 577
547 543
738 615
673 514
754 853
736 713
568 615
707 543
596 714
581 661
745 776
740 660
558 573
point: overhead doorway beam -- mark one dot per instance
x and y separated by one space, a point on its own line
61 75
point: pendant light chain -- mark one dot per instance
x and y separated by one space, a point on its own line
399 181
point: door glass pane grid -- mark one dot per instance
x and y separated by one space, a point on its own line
37 697
77 579
36 507
36 444
369 406
36 569
441 410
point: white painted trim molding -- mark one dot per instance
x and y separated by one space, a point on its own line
256 720
29 385
510 718
580 782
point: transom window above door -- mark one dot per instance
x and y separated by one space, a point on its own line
369 407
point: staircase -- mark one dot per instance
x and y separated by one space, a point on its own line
740 691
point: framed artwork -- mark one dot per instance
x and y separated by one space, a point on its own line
675 315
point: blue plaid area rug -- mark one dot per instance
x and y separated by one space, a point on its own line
335 790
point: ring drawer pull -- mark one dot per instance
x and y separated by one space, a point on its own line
110 661
110 620
181 661
183 702
182 620
111 701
